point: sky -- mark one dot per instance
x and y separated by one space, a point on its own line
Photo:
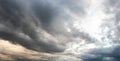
59 30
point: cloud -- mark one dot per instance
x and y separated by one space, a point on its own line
30 24
16 52
15 24
60 29
107 54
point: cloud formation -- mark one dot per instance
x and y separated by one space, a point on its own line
17 20
59 30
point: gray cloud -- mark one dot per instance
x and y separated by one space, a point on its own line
20 22
48 26
32 20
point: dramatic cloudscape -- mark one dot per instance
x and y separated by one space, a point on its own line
59 30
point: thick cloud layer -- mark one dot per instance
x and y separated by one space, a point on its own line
16 20
64 30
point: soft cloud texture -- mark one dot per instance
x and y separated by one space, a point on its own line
59 30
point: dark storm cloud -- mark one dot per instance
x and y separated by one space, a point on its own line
103 54
27 16
16 19
30 44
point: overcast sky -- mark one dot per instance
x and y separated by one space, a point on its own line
59 30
